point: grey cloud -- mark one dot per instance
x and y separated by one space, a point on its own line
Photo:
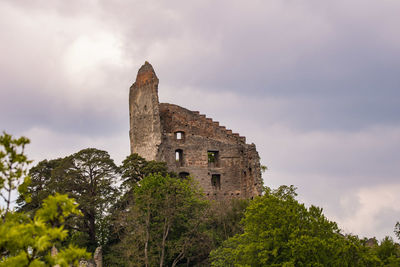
344 64
23 108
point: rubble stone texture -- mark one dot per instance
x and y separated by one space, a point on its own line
190 143
96 261
98 257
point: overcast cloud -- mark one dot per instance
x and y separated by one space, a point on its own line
314 84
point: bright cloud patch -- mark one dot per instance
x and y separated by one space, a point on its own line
88 52
376 207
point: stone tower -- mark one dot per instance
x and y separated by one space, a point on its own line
145 128
190 143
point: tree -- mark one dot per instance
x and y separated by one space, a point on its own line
397 230
27 241
89 176
162 221
388 252
217 222
220 221
13 168
279 231
133 169
92 177
224 218
43 183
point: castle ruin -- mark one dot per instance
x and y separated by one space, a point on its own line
191 144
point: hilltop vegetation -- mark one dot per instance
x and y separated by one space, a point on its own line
27 240
143 215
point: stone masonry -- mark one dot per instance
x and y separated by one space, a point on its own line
190 143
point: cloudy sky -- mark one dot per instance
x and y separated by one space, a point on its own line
314 84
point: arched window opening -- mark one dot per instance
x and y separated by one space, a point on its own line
184 175
216 181
179 157
180 136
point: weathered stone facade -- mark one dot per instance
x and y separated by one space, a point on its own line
191 144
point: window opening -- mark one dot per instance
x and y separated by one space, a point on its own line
216 181
180 135
184 175
213 158
179 157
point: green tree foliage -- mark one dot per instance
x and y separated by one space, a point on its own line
220 222
159 219
13 168
133 169
41 186
26 240
279 231
89 176
397 230
388 252
223 219
161 223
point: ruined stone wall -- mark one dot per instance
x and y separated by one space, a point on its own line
237 163
161 131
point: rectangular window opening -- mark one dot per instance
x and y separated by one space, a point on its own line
213 158
180 136
216 181
179 157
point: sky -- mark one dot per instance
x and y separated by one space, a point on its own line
314 84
